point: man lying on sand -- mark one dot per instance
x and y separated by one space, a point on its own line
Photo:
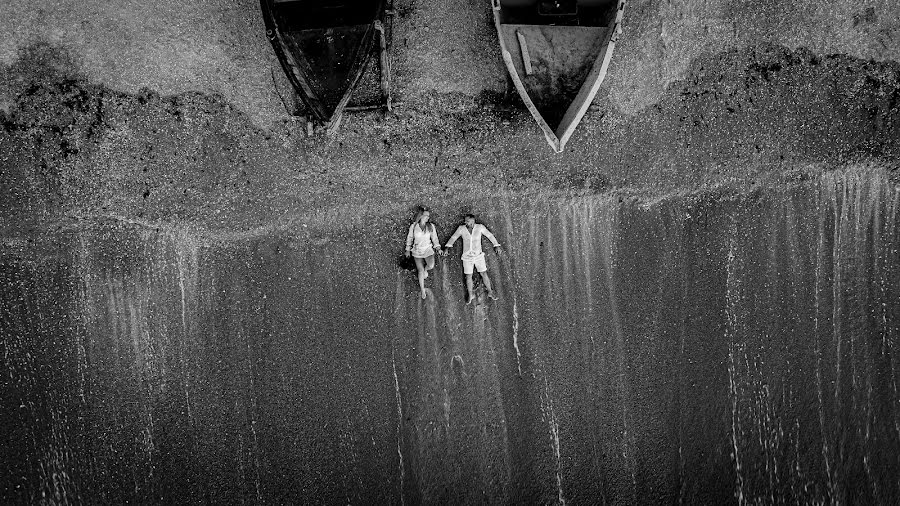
472 255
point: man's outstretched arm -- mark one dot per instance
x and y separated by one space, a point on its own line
453 238
487 233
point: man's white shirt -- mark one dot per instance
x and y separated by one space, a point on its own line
472 240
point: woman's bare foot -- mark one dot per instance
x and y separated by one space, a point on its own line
492 295
469 299
423 294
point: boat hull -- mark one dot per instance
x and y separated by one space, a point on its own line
556 68
323 52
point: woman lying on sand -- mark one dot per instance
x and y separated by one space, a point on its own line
422 242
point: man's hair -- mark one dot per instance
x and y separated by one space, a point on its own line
469 215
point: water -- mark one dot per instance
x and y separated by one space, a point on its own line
714 348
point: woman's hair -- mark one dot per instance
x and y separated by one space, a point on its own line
422 210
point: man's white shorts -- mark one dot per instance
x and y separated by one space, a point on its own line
477 262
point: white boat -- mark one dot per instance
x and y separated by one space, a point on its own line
557 53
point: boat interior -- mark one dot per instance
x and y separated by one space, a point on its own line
298 15
558 12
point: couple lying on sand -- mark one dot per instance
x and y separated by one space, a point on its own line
423 235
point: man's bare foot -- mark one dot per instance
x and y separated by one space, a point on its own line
423 294
469 299
492 295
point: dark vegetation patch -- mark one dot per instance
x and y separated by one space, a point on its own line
764 109
69 148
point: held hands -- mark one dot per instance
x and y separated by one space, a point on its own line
406 253
498 250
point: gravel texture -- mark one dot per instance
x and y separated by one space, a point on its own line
218 46
169 113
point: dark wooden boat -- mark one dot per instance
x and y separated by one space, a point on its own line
557 53
324 47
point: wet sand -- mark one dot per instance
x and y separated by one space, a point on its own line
710 349
200 304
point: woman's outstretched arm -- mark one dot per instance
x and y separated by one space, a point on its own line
410 237
434 238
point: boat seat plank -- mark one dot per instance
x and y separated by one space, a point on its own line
526 58
518 3
302 15
596 3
